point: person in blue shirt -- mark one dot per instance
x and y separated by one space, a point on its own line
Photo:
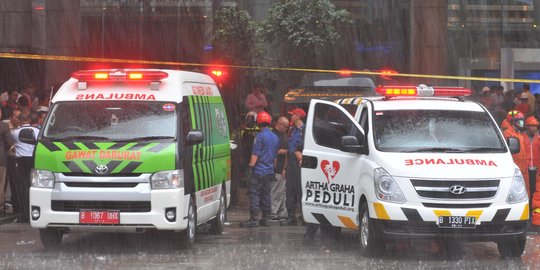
261 165
293 187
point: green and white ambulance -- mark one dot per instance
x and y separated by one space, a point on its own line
131 150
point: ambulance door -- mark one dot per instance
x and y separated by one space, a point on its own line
333 158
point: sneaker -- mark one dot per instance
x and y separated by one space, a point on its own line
264 222
249 224
289 222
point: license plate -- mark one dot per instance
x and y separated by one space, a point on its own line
99 217
457 222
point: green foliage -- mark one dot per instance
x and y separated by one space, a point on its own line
235 36
304 23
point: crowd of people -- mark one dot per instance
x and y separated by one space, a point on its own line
517 113
18 110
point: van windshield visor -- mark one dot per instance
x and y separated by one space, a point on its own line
112 121
436 131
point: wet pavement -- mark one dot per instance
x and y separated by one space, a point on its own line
274 247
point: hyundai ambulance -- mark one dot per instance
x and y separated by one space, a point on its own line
131 150
416 163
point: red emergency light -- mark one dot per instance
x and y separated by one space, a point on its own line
422 91
119 75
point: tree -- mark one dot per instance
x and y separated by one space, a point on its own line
235 36
302 28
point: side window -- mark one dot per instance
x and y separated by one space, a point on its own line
330 125
364 120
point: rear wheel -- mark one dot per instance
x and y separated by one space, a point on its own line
218 223
371 244
51 238
188 235
512 248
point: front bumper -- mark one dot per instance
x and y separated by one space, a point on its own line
152 218
487 231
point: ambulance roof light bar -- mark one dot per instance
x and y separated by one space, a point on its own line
422 90
152 76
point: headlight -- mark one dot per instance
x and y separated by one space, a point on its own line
42 178
518 191
168 179
386 187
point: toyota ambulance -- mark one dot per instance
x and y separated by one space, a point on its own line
131 150
416 163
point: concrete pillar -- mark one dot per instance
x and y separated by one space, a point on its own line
63 23
429 37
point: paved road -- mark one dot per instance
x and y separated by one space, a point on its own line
260 248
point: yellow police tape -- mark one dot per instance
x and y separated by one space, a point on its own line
169 63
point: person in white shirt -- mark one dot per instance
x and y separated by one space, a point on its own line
25 161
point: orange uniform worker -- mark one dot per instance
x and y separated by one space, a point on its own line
517 121
532 142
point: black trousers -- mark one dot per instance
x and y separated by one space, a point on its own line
293 186
22 186
11 176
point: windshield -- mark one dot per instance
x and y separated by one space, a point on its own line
111 120
436 131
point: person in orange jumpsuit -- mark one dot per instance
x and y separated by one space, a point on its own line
532 142
517 121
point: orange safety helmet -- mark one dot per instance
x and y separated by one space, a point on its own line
531 121
264 117
514 115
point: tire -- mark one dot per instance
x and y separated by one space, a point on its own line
51 238
371 242
513 248
189 234
218 223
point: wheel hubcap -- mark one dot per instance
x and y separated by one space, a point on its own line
222 209
191 223
364 230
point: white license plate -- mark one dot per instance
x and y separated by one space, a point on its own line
456 222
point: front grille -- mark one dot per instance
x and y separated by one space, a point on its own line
453 205
122 206
440 189
100 185
83 174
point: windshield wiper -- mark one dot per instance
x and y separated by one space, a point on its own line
484 150
434 149
145 138
79 137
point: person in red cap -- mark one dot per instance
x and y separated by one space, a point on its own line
517 121
293 187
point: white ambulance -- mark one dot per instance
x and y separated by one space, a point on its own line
417 162
131 150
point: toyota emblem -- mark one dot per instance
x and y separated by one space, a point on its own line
458 190
101 169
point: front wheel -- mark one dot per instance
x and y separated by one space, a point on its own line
513 248
188 235
218 224
51 238
371 244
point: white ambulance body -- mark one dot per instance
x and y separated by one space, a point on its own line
413 167
130 150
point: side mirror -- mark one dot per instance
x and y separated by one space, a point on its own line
233 145
350 144
194 137
513 144
26 135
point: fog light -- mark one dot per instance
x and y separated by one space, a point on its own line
35 213
170 214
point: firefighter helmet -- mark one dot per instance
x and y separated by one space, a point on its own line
531 121
264 117
514 115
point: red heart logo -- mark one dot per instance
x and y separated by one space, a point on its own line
330 171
